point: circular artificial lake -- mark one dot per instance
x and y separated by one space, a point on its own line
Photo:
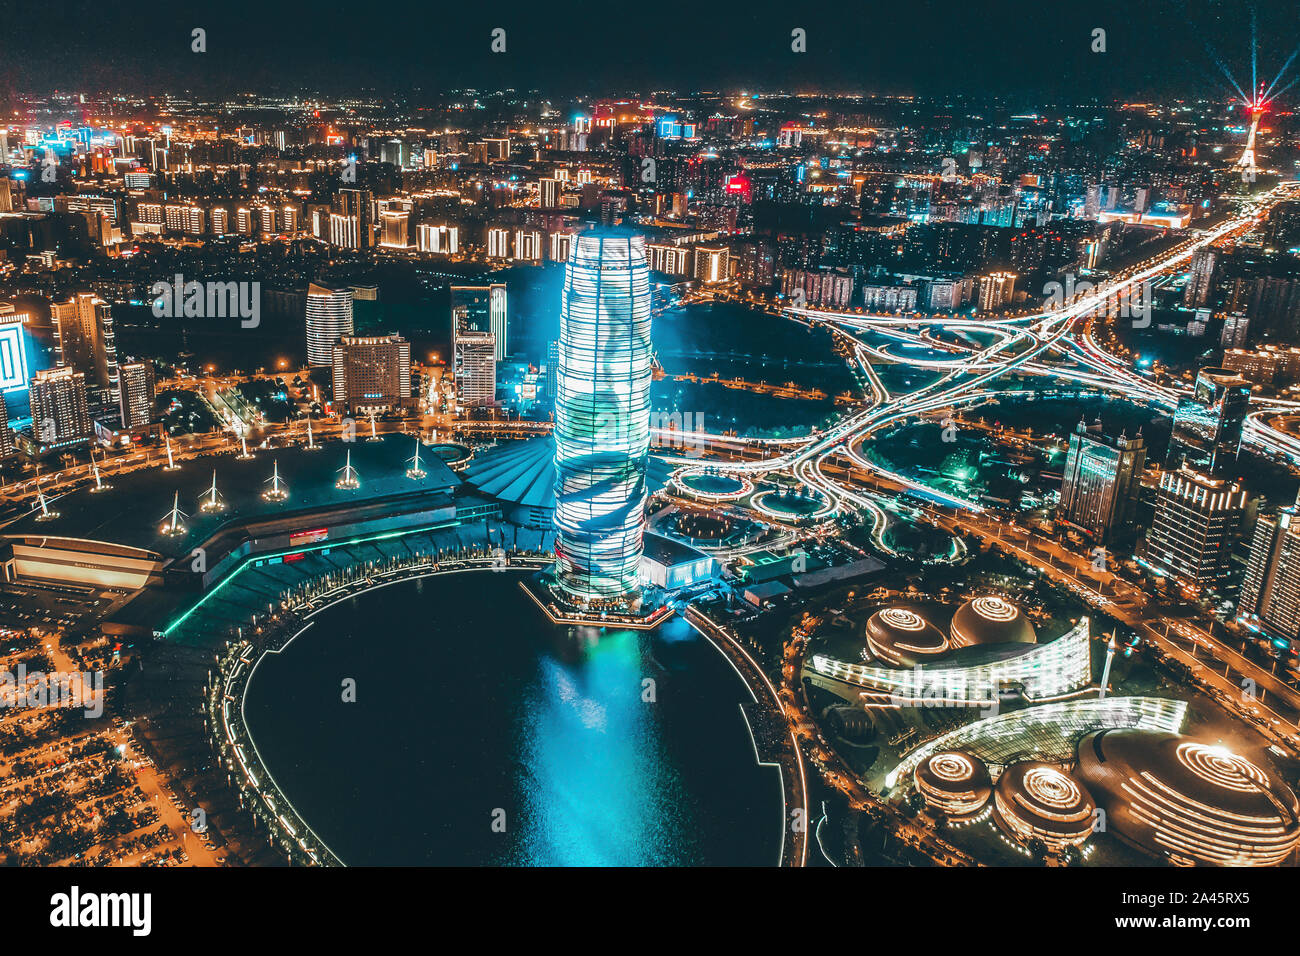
481 734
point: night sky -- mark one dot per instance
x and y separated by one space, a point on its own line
1040 49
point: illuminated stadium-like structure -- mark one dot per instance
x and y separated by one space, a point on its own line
1189 802
1047 732
602 417
973 673
901 637
954 782
1037 800
990 619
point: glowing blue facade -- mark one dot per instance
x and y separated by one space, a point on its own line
602 417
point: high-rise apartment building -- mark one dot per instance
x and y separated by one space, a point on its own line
60 415
84 339
137 380
1270 593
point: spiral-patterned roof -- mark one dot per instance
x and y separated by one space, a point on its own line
1190 801
901 637
955 782
990 619
1037 799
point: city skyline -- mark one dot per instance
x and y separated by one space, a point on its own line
608 438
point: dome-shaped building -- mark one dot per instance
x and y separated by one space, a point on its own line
1187 801
1039 800
955 782
989 619
901 637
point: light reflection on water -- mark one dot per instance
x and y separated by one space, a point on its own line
496 709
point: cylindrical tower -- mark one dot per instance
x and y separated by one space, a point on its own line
329 318
602 417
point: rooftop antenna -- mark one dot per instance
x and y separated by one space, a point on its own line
350 478
415 472
278 490
210 502
172 524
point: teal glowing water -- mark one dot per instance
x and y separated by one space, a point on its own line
471 708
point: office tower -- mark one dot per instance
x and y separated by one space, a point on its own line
59 412
6 196
220 221
602 417
352 228
549 193
444 240
372 373
6 437
475 364
395 229
711 263
1270 593
1207 425
486 310
329 318
1196 523
137 380
84 339
1101 482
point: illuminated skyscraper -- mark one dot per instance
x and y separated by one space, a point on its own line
1207 426
84 339
329 318
1196 523
602 417
1101 480
372 373
486 310
59 413
137 393
1270 593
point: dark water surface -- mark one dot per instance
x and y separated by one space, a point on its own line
469 702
